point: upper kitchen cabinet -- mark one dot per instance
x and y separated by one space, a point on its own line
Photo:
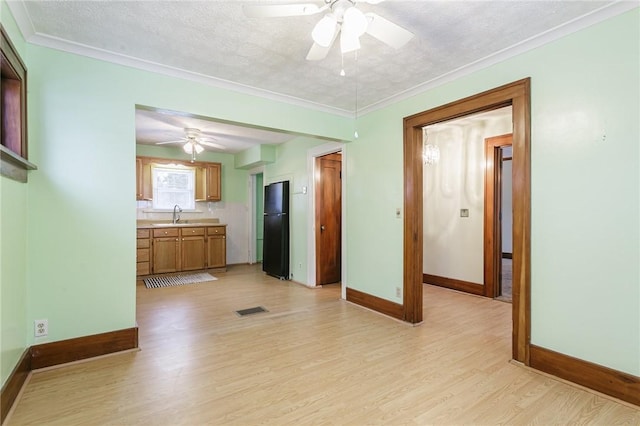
143 179
214 192
201 180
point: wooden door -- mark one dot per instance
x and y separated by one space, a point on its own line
165 255
328 193
492 216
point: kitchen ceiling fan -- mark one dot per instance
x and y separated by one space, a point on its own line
342 17
193 143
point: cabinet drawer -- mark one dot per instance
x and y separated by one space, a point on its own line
142 255
169 232
142 268
143 243
186 232
142 233
216 230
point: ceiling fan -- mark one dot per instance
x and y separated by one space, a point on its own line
342 17
193 143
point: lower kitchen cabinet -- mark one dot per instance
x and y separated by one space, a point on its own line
192 248
216 247
187 248
143 252
166 250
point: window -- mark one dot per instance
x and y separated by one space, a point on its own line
173 185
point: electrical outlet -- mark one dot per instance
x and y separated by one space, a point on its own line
41 327
398 292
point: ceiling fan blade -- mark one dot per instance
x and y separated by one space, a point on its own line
166 142
211 144
386 31
280 10
317 52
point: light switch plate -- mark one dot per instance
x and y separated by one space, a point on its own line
464 212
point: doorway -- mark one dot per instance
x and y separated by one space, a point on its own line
498 218
517 95
328 218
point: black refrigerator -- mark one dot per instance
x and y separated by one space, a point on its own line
275 253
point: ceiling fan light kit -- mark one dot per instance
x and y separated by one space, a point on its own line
192 143
344 18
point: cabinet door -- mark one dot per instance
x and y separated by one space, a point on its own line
216 251
213 182
201 183
143 179
138 178
193 250
166 255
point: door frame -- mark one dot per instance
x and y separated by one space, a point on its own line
312 154
492 208
518 95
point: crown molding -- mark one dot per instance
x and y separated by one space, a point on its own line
21 15
26 27
577 24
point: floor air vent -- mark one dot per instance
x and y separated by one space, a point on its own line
251 311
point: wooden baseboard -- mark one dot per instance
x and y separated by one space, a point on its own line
507 255
64 351
597 377
466 286
375 303
14 383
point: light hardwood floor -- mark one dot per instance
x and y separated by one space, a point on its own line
312 359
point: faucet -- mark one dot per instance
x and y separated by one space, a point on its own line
176 213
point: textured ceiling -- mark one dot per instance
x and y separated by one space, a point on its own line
215 39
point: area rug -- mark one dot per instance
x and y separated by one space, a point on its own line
181 279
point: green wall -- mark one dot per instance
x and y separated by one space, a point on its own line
78 209
13 250
82 199
585 278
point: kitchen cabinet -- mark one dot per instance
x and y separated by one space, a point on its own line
143 179
192 249
181 248
214 190
143 252
216 247
166 250
208 182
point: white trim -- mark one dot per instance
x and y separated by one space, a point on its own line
18 9
312 153
577 24
23 19
39 39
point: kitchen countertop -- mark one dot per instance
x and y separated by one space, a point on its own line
147 224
